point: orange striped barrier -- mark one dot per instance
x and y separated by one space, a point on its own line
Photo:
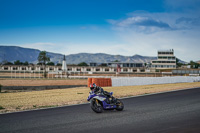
102 82
89 81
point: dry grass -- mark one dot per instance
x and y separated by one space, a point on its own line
11 102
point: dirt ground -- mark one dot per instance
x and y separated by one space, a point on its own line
42 82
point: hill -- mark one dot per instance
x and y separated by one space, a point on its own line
13 53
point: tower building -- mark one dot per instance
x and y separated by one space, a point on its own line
165 60
64 65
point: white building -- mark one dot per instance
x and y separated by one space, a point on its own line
165 60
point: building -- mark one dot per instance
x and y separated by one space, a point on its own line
76 69
165 60
64 65
116 64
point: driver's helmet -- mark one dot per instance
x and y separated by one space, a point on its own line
92 86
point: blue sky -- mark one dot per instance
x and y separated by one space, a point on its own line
125 27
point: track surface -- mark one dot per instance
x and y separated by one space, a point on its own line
159 113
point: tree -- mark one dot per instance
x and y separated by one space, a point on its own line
39 63
178 64
8 63
43 58
59 64
82 64
194 64
26 63
18 62
50 63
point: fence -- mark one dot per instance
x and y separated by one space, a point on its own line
132 81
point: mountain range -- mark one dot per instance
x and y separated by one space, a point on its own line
13 53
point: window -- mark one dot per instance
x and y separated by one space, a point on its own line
124 65
134 70
14 68
107 69
69 69
88 69
138 65
78 69
125 69
97 69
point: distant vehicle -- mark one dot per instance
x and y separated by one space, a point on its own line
100 102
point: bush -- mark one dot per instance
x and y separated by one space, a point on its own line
0 87
1 107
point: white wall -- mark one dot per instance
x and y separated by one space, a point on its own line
131 81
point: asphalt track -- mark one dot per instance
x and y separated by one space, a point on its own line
177 112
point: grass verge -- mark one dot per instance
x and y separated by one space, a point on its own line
11 102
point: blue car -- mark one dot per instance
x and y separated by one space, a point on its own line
101 101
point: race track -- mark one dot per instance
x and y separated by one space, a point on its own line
159 113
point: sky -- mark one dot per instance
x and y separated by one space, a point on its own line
118 27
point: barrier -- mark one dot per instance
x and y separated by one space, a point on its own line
102 82
89 81
132 81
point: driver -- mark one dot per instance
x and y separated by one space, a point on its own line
96 89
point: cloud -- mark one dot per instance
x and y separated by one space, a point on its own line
185 44
188 21
144 33
143 21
